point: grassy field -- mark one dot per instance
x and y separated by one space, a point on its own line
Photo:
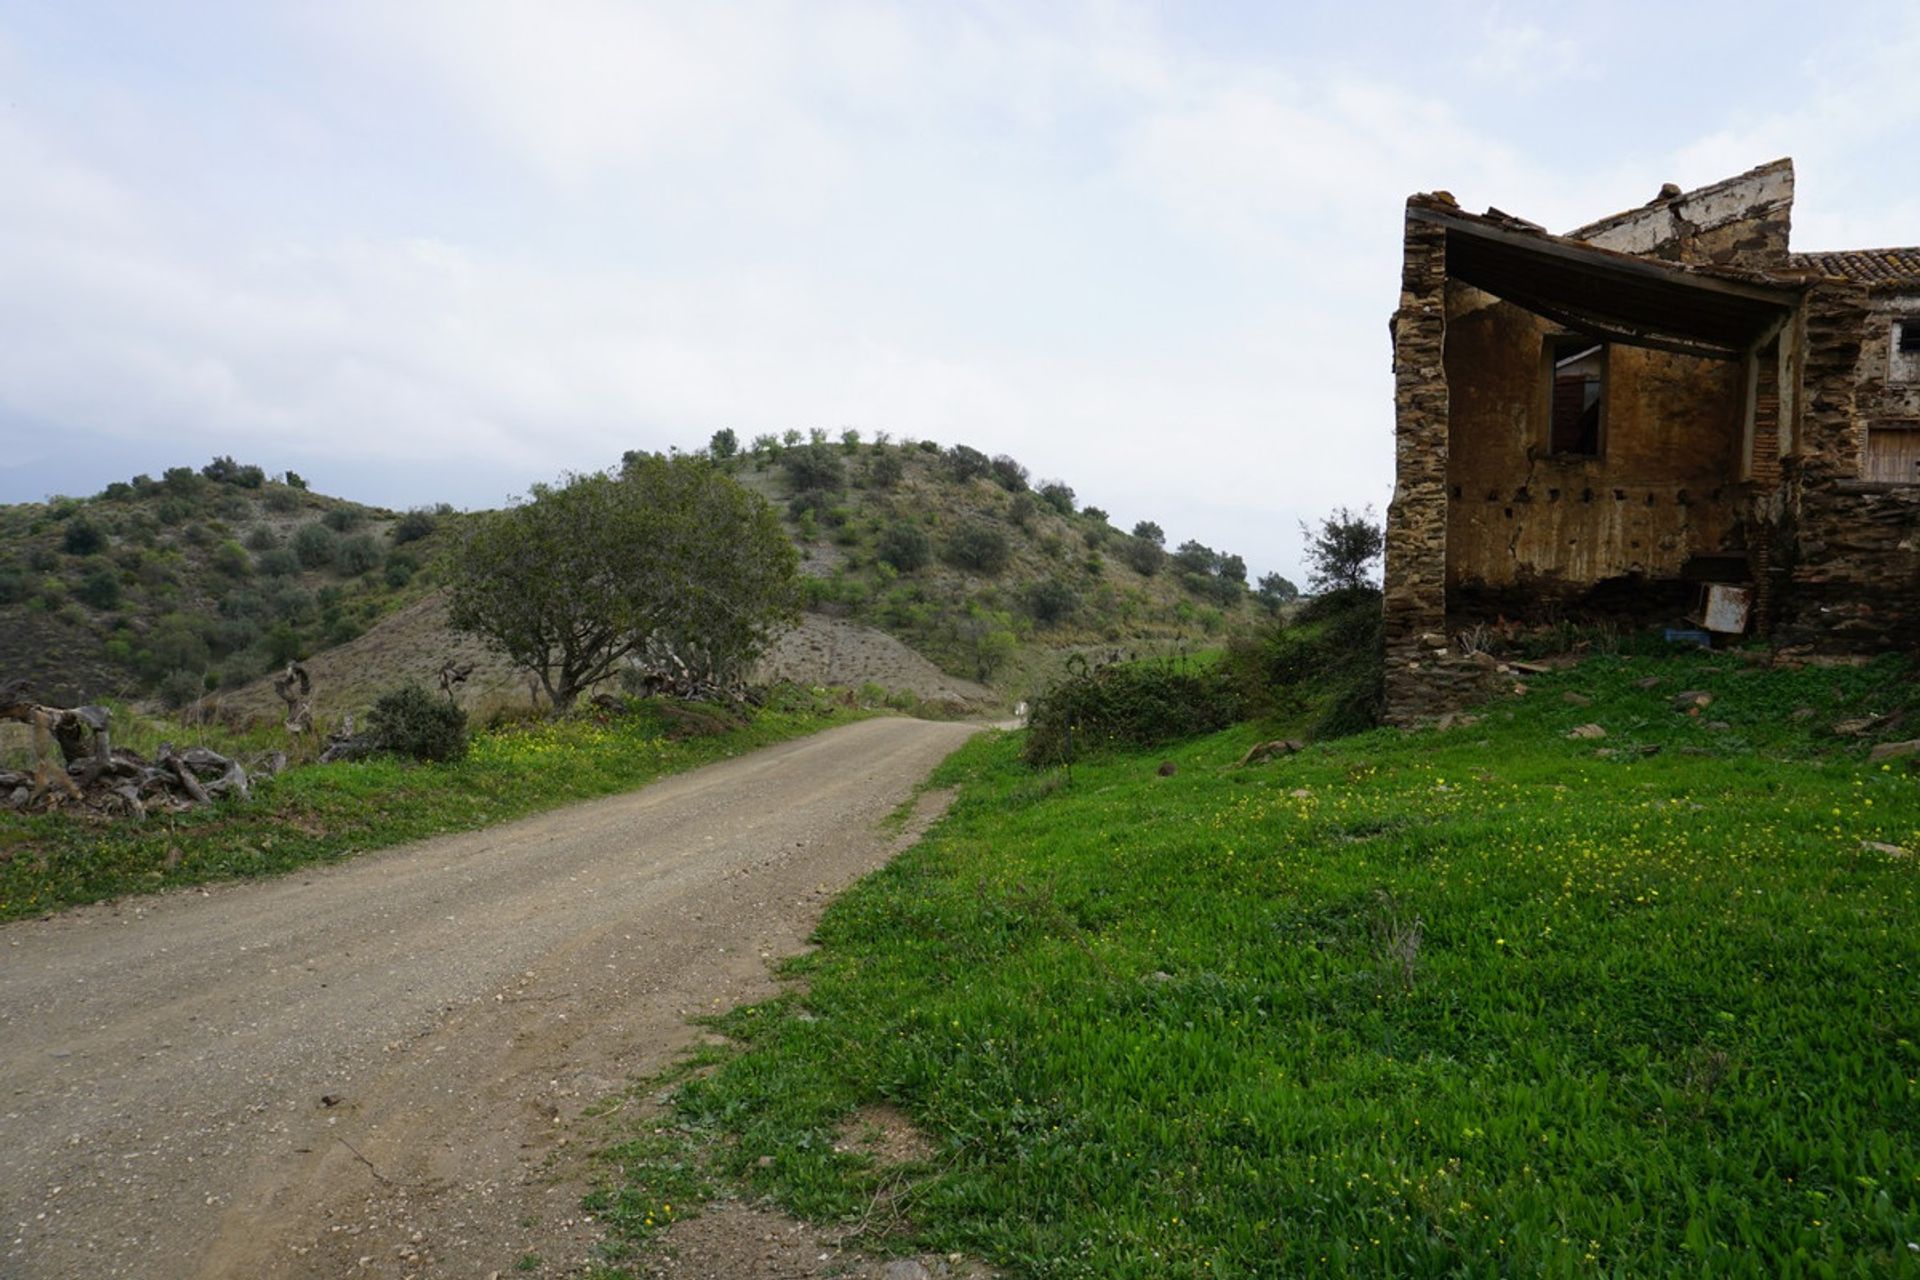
1493 1001
321 813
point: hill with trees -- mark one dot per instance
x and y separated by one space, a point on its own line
206 580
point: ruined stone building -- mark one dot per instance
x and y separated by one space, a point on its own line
1599 424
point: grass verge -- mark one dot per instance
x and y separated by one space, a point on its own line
1482 1002
321 813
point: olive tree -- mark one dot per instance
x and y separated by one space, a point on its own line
668 554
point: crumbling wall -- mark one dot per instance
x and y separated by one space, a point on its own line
1416 587
1741 222
1528 529
1855 580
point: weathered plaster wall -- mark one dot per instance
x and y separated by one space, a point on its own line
1662 491
1742 222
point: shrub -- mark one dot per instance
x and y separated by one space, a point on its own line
225 470
1129 705
1329 664
82 537
262 538
979 547
294 481
1022 509
1051 601
356 555
280 562
814 467
179 687
1148 531
849 441
313 544
13 586
101 587
411 722
724 444
415 525
1008 474
1095 514
232 559
342 519
1143 555
1058 495
885 470
401 566
965 462
906 547
282 499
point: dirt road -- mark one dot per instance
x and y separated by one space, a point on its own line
374 1069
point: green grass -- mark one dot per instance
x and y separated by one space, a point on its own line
321 813
1482 1002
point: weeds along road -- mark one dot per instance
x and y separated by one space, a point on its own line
375 1068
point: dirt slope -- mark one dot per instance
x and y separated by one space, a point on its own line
374 1069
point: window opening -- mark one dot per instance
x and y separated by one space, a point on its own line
1578 394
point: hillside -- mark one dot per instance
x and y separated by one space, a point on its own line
207 581
200 580
981 569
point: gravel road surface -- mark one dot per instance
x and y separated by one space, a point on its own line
375 1068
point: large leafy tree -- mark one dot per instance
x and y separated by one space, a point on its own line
667 555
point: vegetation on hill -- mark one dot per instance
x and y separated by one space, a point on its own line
203 580
968 559
198 580
1496 1000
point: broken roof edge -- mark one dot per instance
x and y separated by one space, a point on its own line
1670 195
1440 208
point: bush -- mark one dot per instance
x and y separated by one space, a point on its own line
1051 601
342 519
1129 705
1148 531
313 544
979 547
1329 665
82 537
262 538
906 547
101 588
414 525
965 462
283 499
401 566
225 470
1008 474
1143 555
885 470
13 586
1058 495
411 722
814 467
724 444
179 687
232 559
280 562
356 555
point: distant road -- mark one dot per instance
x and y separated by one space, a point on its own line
375 1068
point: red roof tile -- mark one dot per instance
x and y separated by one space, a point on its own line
1867 266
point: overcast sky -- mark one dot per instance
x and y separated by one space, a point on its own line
440 250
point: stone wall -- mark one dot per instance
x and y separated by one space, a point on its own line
1416 573
1854 583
